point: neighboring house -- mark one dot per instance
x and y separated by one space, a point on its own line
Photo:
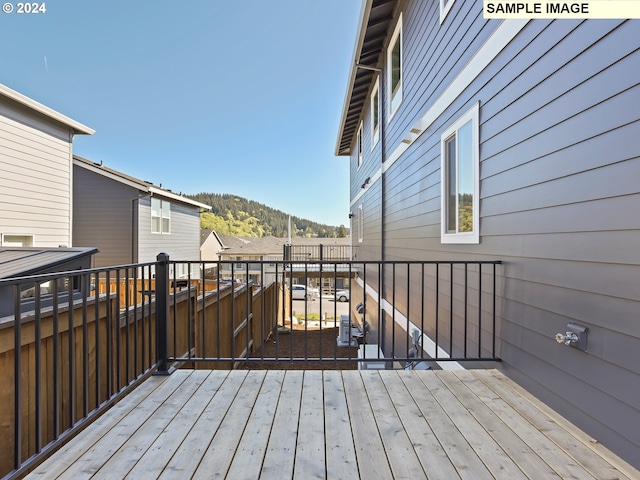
131 220
35 172
210 245
511 140
266 249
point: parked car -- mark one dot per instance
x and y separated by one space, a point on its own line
342 295
302 292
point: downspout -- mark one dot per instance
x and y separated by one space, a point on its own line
71 202
382 100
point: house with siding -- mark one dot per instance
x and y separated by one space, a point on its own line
510 140
36 151
250 251
131 220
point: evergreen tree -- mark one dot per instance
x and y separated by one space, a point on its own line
233 215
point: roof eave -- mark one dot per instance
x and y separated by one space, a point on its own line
174 196
77 127
362 29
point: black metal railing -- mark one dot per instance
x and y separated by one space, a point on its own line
73 343
273 317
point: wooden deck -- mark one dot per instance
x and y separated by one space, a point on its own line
332 424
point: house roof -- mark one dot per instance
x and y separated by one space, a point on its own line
372 33
142 185
206 233
77 127
24 261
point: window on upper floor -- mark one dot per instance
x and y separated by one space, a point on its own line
359 145
394 69
460 165
445 6
160 216
375 113
360 223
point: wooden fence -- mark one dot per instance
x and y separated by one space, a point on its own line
76 361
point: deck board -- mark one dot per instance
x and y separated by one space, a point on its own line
471 424
279 457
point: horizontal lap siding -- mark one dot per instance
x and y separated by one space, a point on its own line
183 243
559 199
35 179
102 213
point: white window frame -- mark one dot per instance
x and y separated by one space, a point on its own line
375 102
359 146
6 236
164 215
394 100
472 115
445 7
360 223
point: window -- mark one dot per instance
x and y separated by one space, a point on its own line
9 240
360 224
160 216
394 69
359 146
460 180
445 6
375 114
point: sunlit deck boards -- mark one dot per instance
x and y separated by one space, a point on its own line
332 424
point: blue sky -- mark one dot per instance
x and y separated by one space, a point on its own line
234 96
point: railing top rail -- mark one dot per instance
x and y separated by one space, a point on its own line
345 262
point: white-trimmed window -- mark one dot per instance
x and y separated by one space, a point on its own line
360 223
375 113
160 216
394 69
11 240
460 165
445 6
359 145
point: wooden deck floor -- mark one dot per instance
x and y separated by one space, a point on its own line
333 424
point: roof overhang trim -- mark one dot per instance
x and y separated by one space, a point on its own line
77 127
372 33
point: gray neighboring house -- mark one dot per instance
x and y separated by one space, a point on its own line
511 140
131 220
36 146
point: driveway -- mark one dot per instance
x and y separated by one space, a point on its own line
330 308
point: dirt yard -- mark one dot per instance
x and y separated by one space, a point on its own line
301 343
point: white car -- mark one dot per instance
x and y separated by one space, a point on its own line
342 296
302 292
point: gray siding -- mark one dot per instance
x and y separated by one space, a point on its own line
102 213
183 243
559 124
35 176
116 218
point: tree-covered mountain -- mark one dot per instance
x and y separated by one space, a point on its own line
233 215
